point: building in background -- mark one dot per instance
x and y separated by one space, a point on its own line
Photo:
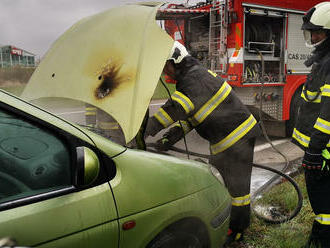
12 56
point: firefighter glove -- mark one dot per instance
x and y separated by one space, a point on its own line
326 160
312 161
163 144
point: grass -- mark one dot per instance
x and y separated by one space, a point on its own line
16 89
292 234
160 91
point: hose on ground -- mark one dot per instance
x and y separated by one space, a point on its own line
278 172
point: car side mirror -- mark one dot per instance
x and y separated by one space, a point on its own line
88 167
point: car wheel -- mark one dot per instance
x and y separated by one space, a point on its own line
177 239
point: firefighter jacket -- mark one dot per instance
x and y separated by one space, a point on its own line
207 103
313 125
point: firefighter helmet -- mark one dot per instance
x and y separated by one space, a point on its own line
178 52
317 18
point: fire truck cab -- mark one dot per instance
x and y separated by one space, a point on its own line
256 45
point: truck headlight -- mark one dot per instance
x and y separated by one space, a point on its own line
217 174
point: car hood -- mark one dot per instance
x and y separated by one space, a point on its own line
145 180
112 60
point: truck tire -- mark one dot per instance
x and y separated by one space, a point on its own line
294 112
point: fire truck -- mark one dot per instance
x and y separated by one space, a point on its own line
256 45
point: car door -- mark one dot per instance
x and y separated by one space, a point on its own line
40 205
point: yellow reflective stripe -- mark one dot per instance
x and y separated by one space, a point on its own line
212 73
241 201
108 125
311 95
301 138
326 90
184 101
185 125
323 219
211 104
238 236
322 125
234 136
163 118
90 109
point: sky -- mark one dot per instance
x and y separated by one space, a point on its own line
33 25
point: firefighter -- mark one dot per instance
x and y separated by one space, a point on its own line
312 129
207 103
90 115
101 121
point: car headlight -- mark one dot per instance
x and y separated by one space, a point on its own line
217 174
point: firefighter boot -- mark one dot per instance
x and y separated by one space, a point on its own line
316 243
319 237
233 236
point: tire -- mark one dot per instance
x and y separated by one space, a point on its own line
178 239
294 112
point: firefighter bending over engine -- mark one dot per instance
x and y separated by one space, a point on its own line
312 130
206 102
107 126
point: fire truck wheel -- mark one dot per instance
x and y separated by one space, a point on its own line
294 111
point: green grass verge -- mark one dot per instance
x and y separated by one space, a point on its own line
16 89
293 234
160 91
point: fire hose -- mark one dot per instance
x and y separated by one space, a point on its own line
264 187
258 192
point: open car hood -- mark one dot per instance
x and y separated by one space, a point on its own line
112 60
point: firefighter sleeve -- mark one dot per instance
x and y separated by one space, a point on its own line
321 134
179 107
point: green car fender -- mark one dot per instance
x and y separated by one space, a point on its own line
193 212
145 180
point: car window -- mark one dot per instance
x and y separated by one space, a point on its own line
32 159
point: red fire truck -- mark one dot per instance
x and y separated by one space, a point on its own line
256 45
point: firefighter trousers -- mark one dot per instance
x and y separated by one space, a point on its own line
318 189
235 166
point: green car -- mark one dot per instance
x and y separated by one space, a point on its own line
64 186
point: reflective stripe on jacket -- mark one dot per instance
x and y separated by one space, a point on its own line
210 105
303 139
234 136
313 125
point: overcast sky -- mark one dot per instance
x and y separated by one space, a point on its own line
34 25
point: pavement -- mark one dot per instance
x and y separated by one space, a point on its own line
265 154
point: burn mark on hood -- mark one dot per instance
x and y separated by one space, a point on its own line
109 79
